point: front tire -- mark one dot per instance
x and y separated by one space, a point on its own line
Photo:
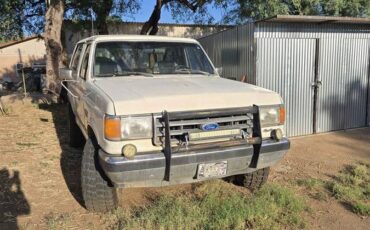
254 180
98 193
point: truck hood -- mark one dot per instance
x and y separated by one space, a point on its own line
141 95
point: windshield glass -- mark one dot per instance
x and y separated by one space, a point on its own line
134 58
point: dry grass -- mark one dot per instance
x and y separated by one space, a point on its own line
57 221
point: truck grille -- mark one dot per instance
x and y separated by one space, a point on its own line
186 123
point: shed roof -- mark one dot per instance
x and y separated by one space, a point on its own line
316 19
10 43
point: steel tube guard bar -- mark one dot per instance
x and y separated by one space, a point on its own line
171 116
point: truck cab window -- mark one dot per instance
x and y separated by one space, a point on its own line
117 58
85 63
76 57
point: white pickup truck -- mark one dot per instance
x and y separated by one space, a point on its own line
153 111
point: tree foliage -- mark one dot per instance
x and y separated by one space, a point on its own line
182 13
103 11
28 16
19 15
354 8
10 17
33 15
243 10
186 10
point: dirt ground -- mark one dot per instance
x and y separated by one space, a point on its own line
39 173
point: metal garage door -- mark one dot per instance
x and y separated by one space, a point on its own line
343 67
287 66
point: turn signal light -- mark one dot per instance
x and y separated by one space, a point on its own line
282 115
112 128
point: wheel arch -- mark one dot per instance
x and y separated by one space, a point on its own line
92 134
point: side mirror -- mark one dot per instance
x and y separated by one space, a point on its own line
65 74
219 71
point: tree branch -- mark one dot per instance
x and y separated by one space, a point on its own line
151 26
152 23
33 15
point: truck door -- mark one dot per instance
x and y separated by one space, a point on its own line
79 66
81 87
74 66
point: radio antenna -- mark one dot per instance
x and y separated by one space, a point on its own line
92 21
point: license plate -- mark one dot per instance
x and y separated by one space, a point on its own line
208 170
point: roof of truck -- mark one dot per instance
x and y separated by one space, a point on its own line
138 38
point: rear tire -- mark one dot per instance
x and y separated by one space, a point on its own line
98 193
254 180
76 138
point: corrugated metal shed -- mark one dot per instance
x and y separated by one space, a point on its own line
319 65
231 47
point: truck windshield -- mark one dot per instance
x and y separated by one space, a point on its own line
149 58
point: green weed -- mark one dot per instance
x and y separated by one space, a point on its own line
310 183
214 206
4 109
352 186
314 188
57 221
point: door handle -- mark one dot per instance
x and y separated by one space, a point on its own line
316 84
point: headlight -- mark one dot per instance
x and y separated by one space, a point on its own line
120 128
272 116
136 127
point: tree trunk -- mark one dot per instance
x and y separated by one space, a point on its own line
151 26
102 27
53 28
102 10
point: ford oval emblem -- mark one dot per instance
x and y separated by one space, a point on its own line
210 126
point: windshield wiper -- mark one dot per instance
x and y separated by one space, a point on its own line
124 74
200 72
133 74
190 71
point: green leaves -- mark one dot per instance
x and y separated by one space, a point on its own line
259 9
11 20
21 15
353 8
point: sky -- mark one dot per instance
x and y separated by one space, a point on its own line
147 7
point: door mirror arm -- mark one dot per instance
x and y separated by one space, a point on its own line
66 88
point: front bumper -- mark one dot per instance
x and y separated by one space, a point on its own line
149 170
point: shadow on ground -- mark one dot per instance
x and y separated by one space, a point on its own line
13 202
70 160
345 110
